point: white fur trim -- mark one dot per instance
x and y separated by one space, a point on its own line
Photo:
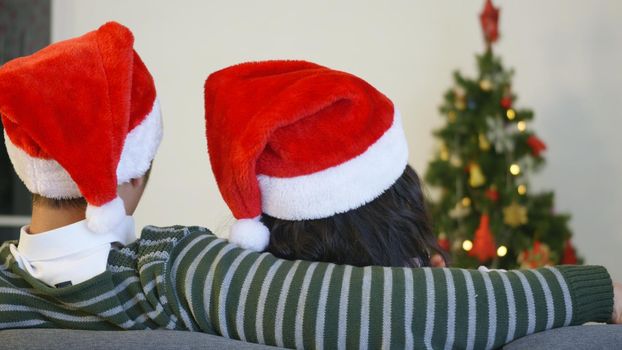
107 217
340 188
141 145
250 234
48 178
42 176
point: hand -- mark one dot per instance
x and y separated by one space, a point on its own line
437 261
617 303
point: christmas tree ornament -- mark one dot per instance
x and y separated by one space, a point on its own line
510 113
536 145
521 126
472 104
489 19
500 135
492 194
466 202
506 102
476 176
460 211
514 215
484 247
537 256
455 160
485 85
443 152
484 144
451 117
515 169
502 251
443 242
460 103
570 254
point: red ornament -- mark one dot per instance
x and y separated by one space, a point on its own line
506 102
492 194
570 254
539 255
443 242
484 247
536 145
489 19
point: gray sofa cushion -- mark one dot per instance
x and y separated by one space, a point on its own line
576 337
62 339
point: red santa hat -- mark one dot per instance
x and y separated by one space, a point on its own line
81 117
298 141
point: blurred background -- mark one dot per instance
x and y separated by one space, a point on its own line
566 54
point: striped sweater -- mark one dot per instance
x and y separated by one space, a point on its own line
185 278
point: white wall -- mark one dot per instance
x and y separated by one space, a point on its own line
567 55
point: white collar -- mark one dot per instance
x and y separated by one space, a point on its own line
71 239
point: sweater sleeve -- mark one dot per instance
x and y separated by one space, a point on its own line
258 298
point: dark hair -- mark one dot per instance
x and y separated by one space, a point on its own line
392 230
68 203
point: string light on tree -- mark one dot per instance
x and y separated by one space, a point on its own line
511 114
521 126
467 245
466 201
502 251
515 169
522 189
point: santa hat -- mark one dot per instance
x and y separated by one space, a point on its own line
81 117
298 141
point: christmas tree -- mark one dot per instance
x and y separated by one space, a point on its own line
486 213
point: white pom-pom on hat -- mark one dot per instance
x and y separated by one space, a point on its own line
250 234
106 217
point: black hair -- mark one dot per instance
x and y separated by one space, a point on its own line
392 230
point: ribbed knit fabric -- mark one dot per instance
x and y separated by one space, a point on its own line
187 279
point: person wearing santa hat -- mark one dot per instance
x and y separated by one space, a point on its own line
82 125
313 163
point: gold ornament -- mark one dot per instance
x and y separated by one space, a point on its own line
466 201
444 152
455 160
522 189
460 104
484 144
511 114
451 116
476 177
485 85
515 215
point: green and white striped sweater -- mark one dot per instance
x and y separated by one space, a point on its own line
185 278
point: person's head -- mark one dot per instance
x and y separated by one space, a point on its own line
313 164
130 193
82 124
